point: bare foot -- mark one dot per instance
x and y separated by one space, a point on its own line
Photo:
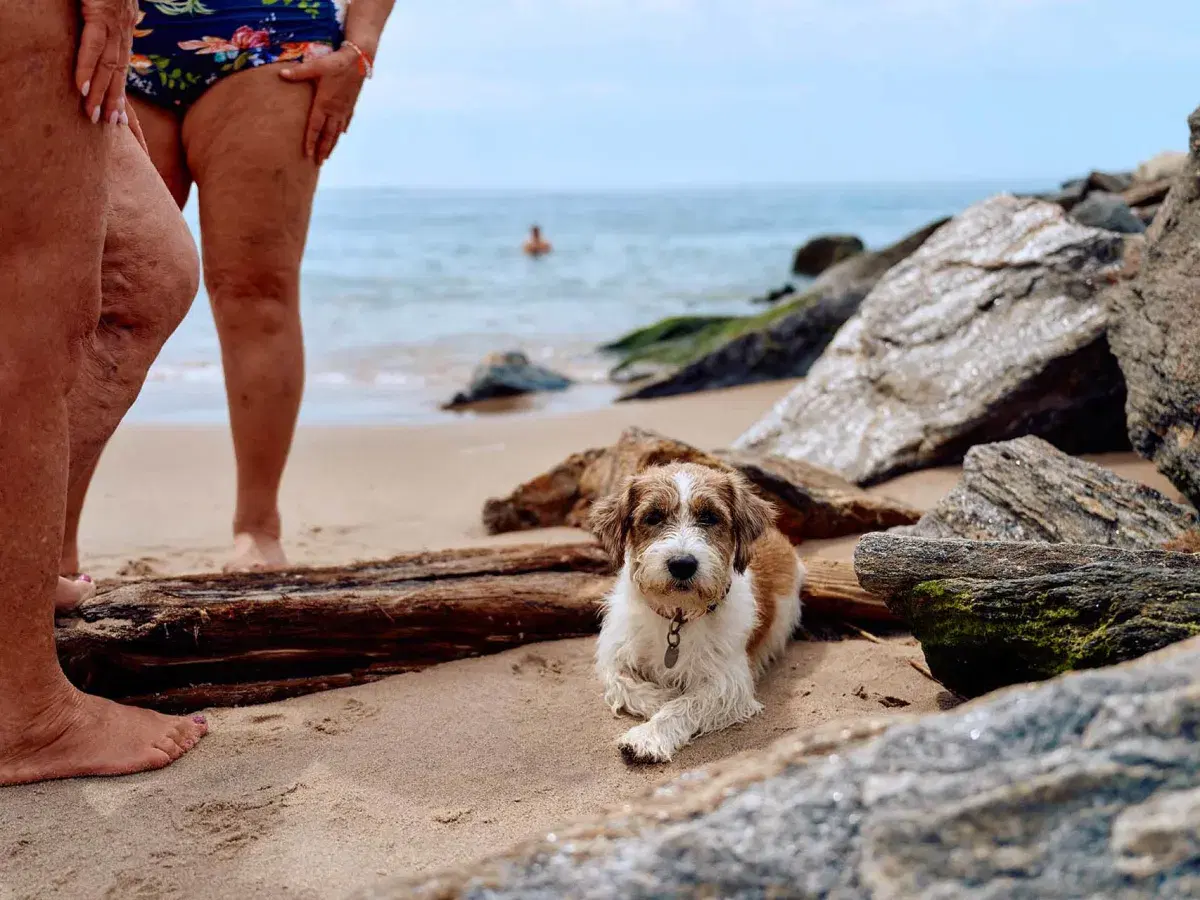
255 552
85 735
70 592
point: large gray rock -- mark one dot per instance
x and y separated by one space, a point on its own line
787 341
1026 490
508 375
1107 211
1084 787
1155 333
820 253
990 614
993 329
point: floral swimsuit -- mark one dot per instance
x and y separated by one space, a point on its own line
181 47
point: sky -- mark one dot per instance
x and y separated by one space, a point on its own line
610 94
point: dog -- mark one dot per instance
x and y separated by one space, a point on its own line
707 596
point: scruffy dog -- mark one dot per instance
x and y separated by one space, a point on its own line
707 596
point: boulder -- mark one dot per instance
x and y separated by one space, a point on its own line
785 341
812 503
775 295
1148 213
1107 211
1026 490
1169 165
1108 182
1085 786
507 375
1155 333
1142 193
993 329
822 252
990 614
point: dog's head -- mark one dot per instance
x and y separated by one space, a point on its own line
683 529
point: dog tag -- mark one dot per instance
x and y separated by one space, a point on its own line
671 657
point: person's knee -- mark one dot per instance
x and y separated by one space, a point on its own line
262 300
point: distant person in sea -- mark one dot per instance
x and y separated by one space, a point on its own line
96 269
246 99
535 244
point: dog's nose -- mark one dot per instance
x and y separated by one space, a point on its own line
682 567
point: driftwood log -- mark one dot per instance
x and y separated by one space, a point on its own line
994 613
186 643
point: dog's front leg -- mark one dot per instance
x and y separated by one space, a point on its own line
628 693
709 706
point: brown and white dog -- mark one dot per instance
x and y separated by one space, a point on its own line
707 596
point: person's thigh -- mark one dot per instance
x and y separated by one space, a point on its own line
162 130
243 144
52 194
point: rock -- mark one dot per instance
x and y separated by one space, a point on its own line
990 614
1148 213
1071 194
1026 490
1082 787
822 252
1168 165
507 375
1142 193
1107 211
812 503
775 296
1155 332
786 340
991 330
1108 182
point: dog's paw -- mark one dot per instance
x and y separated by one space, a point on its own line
643 745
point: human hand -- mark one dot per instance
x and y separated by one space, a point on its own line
339 78
103 57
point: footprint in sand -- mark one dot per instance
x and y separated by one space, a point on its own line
142 567
535 662
352 714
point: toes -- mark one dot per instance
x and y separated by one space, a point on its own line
168 746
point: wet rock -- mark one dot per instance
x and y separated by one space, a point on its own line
508 375
825 251
990 614
1155 333
812 503
785 341
1085 786
1026 490
992 330
775 295
1107 211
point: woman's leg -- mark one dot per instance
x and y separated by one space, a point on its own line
243 144
149 276
52 199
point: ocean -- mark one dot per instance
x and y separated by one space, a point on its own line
404 291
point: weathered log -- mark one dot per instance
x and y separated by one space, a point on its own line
187 643
990 614
812 502
1026 490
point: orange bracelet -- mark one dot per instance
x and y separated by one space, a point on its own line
366 65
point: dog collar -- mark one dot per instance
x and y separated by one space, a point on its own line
671 657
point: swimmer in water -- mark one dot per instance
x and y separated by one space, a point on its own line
536 245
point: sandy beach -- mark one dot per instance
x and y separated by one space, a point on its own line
321 795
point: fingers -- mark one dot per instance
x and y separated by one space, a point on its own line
136 127
312 132
334 128
100 74
305 71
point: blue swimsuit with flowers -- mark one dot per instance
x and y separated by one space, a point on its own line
182 47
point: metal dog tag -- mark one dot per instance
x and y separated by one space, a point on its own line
671 657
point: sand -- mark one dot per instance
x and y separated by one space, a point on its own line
318 796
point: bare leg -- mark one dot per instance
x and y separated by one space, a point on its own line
52 198
149 277
243 142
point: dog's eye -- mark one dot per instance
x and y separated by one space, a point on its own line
652 519
706 518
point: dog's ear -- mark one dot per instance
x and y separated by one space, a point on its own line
611 519
751 516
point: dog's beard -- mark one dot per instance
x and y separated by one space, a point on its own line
667 595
